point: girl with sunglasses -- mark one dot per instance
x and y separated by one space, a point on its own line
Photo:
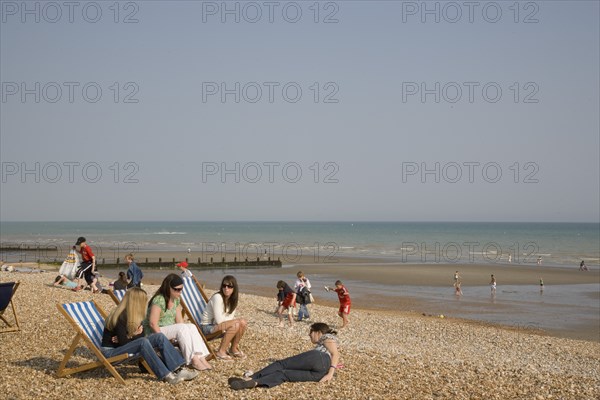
219 318
123 334
164 315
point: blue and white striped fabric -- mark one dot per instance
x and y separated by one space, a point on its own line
87 316
119 294
193 300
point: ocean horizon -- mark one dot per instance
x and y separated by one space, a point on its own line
556 243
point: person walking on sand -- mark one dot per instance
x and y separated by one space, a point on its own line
287 304
456 277
582 266
345 302
493 284
539 260
541 285
134 273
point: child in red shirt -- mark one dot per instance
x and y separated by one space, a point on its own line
345 303
288 301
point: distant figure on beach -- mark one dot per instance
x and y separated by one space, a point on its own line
185 272
317 365
539 260
493 284
189 251
134 273
582 266
302 288
121 283
510 258
87 269
65 282
456 284
345 302
124 334
287 304
265 255
165 315
457 289
219 316
541 285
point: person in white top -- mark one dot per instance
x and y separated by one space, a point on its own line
219 316
302 284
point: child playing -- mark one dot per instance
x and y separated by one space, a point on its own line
345 303
289 298
302 287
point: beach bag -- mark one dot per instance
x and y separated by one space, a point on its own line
70 265
303 295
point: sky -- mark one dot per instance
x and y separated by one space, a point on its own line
300 111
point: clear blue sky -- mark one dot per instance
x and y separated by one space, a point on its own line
398 93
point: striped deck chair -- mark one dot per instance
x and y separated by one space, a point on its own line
117 295
194 300
7 293
87 318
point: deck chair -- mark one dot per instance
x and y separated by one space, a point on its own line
194 300
117 295
7 292
87 318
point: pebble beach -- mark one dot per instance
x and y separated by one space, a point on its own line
391 355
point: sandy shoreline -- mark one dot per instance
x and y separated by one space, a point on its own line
386 355
395 287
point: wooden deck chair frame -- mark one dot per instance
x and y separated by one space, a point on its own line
116 295
194 283
83 336
10 327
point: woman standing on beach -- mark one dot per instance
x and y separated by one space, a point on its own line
123 334
164 315
219 316
317 365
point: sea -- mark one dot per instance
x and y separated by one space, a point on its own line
563 310
553 244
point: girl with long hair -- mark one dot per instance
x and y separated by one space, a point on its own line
123 333
219 317
164 315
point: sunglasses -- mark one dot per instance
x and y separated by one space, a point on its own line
228 286
177 289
